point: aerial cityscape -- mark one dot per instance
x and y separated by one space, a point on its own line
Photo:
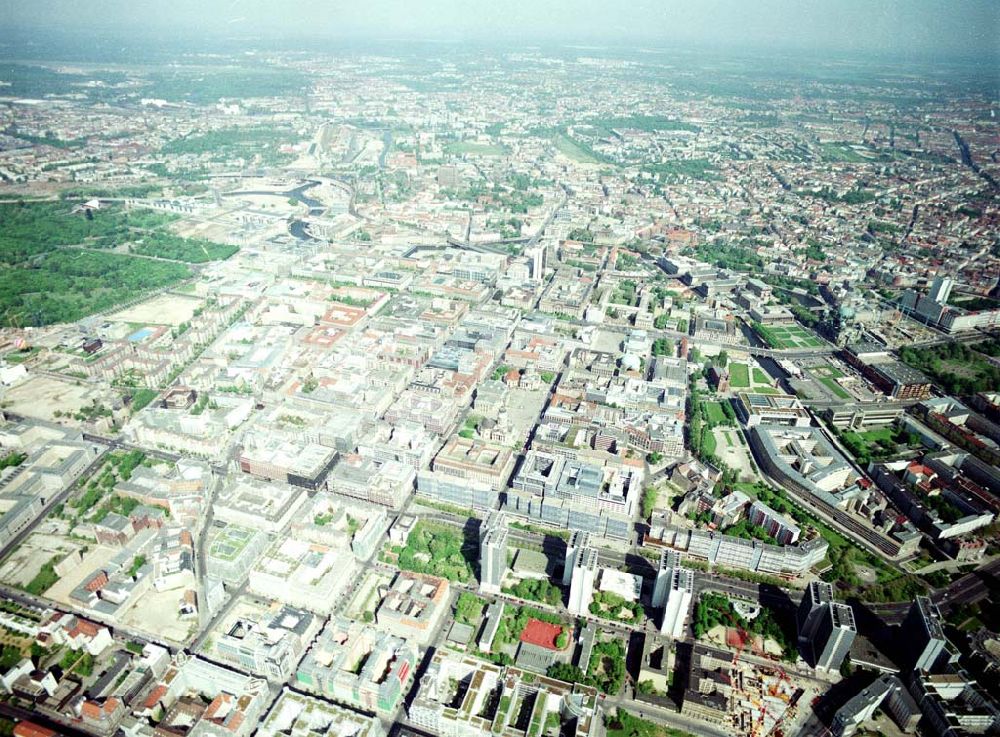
475 384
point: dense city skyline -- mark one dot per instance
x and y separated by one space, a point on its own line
499 370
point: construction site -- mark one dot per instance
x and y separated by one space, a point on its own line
747 695
742 685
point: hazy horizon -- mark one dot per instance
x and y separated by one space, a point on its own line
908 28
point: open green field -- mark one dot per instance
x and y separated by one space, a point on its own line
878 444
760 377
65 286
233 143
59 265
479 149
842 152
574 150
647 123
714 413
739 376
957 368
787 337
708 442
827 375
831 371
830 383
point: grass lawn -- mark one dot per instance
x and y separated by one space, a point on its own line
841 152
708 444
832 371
831 384
785 337
739 376
714 413
766 390
873 436
760 377
571 149
625 724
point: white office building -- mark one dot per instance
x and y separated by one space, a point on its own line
678 603
492 553
669 561
577 540
584 573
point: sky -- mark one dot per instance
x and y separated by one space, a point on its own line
906 27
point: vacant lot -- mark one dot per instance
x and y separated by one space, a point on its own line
96 558
21 566
165 309
42 396
731 451
158 612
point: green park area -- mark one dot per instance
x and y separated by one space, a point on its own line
576 150
468 608
97 498
536 589
705 416
625 724
207 83
645 123
715 609
715 413
787 337
756 380
827 376
605 671
64 287
610 605
438 550
879 444
739 376
842 151
59 266
680 169
263 143
956 367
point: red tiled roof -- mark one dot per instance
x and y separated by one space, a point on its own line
233 724
97 582
90 710
216 705
83 627
154 696
30 729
